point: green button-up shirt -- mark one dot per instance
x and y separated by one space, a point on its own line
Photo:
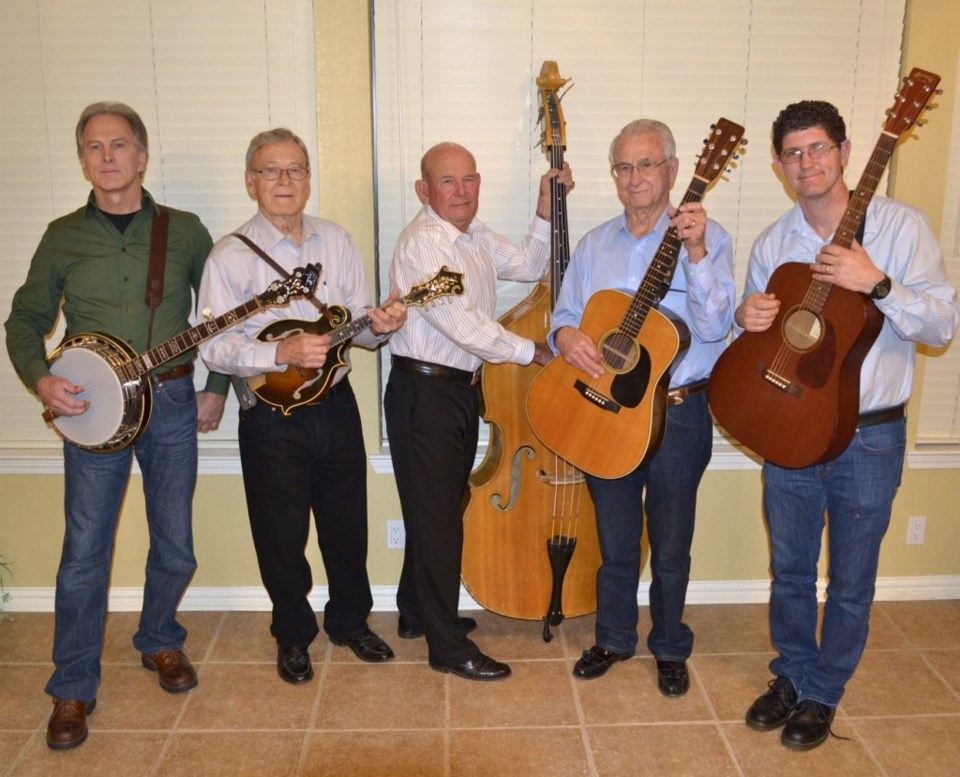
100 276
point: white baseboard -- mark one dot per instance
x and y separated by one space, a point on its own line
254 598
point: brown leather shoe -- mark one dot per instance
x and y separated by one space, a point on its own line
68 723
176 673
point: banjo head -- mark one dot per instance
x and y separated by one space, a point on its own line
88 361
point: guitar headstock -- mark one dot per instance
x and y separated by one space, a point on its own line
549 84
301 283
445 283
720 147
917 90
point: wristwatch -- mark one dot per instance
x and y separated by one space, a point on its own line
882 289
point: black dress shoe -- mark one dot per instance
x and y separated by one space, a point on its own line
771 710
596 661
808 727
406 631
672 678
367 646
293 664
480 668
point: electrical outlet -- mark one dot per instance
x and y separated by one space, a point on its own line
916 529
396 535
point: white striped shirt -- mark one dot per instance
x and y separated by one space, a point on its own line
460 331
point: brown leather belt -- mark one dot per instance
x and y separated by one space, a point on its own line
678 395
435 370
876 417
180 371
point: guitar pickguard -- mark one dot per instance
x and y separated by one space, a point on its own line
629 388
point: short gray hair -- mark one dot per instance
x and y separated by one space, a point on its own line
122 110
271 136
641 127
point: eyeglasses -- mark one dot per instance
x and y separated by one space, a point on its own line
644 167
273 173
817 151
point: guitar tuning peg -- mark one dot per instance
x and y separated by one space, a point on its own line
743 141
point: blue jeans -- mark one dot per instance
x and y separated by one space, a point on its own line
856 490
670 480
95 484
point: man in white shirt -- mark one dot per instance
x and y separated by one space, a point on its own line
432 404
899 265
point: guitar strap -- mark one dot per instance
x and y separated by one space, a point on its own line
155 266
324 310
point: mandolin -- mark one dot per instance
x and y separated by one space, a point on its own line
608 426
296 386
791 393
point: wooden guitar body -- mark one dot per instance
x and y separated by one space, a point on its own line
517 492
610 424
791 393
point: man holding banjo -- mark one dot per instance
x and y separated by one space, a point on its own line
94 263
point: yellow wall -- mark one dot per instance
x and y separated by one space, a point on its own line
730 542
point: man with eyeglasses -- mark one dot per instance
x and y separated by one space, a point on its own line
898 264
617 255
311 457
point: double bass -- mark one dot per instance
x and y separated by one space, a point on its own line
530 547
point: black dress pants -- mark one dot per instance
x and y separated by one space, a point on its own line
313 459
432 424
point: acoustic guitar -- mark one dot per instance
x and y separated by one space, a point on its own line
791 393
296 386
113 377
608 426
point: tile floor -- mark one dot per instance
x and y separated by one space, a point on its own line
900 715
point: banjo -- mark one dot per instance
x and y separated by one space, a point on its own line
112 375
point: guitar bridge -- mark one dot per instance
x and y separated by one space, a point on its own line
594 396
780 382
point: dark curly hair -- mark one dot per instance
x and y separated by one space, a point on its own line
806 114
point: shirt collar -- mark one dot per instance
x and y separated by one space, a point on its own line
147 202
659 229
452 232
272 236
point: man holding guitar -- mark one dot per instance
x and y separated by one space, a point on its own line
617 255
897 263
94 263
310 456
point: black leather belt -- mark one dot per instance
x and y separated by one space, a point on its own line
435 370
678 395
180 371
876 417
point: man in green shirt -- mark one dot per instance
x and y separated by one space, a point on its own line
93 264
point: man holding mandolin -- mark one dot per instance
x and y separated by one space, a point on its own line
306 454
94 262
894 261
650 238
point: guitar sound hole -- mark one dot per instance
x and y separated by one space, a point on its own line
619 352
802 329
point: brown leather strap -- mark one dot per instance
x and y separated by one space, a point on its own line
155 267
324 311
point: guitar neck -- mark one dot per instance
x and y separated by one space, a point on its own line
866 188
661 270
184 341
